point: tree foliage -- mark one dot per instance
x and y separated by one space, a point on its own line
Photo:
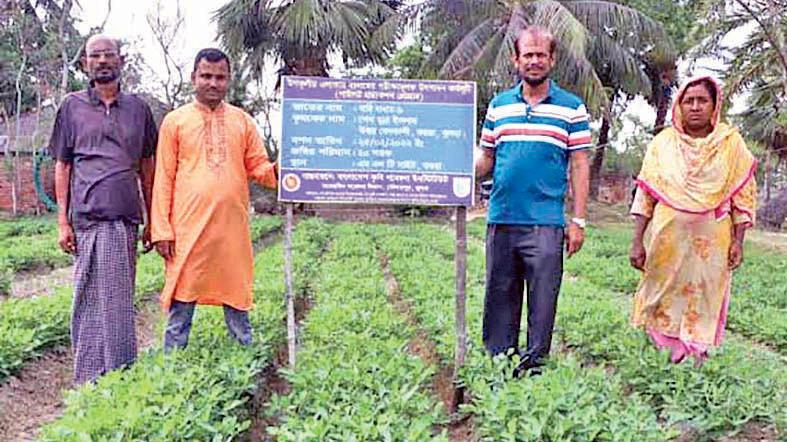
30 47
301 34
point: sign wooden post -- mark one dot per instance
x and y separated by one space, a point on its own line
460 261
289 295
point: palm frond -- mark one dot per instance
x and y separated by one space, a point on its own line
625 25
468 49
618 66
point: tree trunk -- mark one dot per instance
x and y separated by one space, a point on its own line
11 156
661 80
64 58
598 158
771 216
767 178
661 109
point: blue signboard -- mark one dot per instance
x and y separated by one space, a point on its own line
377 141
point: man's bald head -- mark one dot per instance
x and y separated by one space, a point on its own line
535 33
101 38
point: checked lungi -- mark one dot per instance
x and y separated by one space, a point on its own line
102 321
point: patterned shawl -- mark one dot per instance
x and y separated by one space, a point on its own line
697 175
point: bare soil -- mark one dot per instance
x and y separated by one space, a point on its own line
41 282
270 381
753 431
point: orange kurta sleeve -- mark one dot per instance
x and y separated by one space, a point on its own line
258 165
164 182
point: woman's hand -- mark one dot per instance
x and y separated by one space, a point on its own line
637 255
736 255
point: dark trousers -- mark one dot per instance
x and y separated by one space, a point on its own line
515 255
179 324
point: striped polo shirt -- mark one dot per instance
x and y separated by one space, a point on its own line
532 145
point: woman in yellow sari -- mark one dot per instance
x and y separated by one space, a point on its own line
695 199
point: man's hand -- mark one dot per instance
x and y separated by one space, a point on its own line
66 238
575 237
166 249
147 244
736 255
637 255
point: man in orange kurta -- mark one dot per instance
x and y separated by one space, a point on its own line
207 151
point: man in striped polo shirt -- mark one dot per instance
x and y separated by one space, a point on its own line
531 134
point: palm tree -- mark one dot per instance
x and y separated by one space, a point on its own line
300 34
617 38
758 66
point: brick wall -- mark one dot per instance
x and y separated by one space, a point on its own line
27 199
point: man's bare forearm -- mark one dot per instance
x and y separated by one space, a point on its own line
147 168
485 164
62 187
580 182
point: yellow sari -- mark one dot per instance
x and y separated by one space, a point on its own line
693 190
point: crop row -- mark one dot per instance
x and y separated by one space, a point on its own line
568 402
198 393
741 383
355 379
34 252
27 227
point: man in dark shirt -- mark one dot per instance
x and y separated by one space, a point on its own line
103 141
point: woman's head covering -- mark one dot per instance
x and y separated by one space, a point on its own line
697 175
677 112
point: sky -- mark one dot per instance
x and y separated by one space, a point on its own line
127 22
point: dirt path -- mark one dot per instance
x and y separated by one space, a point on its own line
442 385
34 397
30 284
270 382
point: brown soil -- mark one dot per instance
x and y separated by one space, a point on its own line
271 383
44 282
442 384
753 431
34 397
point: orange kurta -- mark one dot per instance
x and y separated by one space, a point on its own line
201 201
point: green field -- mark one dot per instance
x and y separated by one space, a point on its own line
360 378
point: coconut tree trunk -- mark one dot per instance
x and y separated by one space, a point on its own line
767 178
661 80
598 158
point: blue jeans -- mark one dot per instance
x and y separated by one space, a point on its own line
179 324
515 255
